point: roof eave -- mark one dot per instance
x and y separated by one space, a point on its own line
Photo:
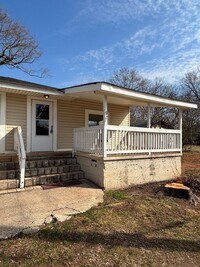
140 96
110 89
32 89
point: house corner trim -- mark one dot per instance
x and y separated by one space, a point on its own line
2 121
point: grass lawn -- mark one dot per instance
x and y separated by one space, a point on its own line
134 227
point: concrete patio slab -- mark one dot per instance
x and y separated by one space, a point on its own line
26 210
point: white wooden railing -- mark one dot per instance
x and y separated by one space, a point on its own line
126 140
19 148
141 140
88 139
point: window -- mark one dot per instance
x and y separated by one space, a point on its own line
93 118
42 119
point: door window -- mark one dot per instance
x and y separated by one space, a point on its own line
42 119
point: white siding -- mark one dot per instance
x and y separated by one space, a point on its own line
16 109
71 114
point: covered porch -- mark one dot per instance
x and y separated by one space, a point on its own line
118 156
105 140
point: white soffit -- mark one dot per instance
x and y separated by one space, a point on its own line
97 96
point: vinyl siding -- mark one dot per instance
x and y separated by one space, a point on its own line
16 110
71 114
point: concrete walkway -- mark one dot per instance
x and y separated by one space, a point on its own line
25 211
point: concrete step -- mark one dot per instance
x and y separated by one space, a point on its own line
49 162
9 184
6 184
53 178
41 168
29 172
48 155
51 170
9 174
8 157
9 166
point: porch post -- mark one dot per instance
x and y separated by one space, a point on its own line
180 124
105 123
149 117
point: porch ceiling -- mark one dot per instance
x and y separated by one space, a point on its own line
122 96
97 96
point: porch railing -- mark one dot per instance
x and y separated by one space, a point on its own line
126 140
89 139
19 148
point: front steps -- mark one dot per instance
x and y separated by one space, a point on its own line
41 168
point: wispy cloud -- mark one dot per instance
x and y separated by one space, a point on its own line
172 67
123 10
112 55
119 11
167 45
95 12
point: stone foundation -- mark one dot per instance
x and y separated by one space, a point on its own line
122 172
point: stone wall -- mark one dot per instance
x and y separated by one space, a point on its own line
122 173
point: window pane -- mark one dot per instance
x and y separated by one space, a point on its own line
95 119
42 111
42 127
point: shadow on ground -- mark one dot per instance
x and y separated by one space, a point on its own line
137 239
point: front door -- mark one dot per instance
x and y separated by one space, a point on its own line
42 125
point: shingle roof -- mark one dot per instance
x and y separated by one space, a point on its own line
8 80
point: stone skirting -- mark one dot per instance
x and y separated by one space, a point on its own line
119 172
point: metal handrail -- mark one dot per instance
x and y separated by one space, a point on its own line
20 149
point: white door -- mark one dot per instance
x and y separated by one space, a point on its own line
42 125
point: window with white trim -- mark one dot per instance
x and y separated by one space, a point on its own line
93 118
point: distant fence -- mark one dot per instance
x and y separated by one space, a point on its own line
191 148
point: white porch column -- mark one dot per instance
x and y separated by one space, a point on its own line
2 121
180 124
105 123
149 117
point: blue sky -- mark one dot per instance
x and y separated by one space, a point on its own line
86 40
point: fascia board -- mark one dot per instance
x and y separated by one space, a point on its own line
149 98
82 89
28 89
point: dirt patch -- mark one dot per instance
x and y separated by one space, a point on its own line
190 161
191 171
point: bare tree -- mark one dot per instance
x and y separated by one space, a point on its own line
191 84
130 78
165 117
17 48
191 127
191 118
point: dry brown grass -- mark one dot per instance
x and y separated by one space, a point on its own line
134 227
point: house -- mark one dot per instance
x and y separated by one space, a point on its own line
45 129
